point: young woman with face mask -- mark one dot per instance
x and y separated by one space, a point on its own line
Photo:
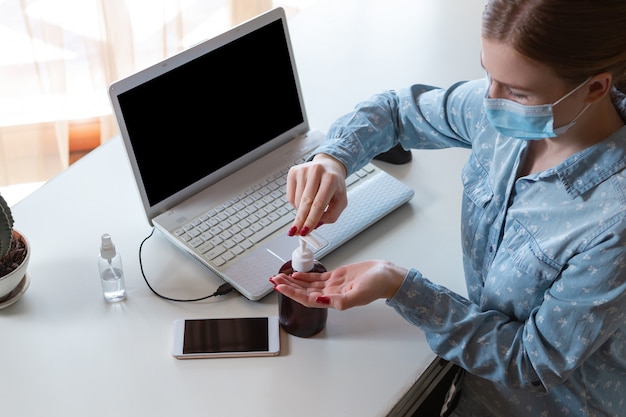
543 329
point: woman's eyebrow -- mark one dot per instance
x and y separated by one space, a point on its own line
507 85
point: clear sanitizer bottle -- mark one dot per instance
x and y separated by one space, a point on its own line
111 272
295 318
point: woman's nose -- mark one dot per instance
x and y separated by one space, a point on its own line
495 90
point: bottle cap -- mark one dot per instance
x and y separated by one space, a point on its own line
302 258
107 248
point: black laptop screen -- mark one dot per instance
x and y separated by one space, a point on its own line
200 116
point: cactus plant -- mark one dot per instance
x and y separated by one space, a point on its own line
12 244
6 227
14 257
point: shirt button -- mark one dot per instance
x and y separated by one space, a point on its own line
536 383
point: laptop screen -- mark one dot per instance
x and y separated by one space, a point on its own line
200 116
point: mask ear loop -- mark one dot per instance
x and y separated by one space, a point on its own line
562 129
572 92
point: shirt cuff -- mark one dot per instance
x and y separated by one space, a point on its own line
414 297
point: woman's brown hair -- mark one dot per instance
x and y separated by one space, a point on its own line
576 38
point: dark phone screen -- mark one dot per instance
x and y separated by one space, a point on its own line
218 335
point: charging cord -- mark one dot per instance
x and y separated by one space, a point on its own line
223 289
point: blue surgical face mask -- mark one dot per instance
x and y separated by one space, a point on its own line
526 122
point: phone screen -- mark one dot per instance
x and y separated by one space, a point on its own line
226 335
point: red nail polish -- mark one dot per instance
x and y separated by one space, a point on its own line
292 231
322 299
304 231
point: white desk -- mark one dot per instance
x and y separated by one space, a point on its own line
65 352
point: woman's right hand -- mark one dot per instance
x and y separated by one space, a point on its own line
317 190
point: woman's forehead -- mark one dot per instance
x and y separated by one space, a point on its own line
507 66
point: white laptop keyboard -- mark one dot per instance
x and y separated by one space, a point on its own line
228 231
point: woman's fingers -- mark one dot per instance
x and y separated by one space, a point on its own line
318 192
345 287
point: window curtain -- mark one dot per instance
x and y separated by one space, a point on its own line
60 56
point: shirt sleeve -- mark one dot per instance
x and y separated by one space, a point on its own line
579 318
419 117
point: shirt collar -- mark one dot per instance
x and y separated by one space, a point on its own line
592 166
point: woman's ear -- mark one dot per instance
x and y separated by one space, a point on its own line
599 86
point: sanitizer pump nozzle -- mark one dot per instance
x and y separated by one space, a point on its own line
302 258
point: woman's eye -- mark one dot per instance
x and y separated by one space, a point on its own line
516 95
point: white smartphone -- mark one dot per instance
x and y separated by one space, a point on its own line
226 337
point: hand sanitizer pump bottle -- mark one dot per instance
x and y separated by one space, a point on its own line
111 272
295 318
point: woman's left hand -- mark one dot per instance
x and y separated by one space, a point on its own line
345 287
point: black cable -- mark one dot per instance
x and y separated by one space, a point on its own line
223 289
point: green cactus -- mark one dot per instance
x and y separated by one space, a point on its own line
6 227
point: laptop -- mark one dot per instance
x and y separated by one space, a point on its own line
210 134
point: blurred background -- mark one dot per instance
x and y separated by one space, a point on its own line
58 57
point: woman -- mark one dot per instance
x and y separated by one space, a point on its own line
543 330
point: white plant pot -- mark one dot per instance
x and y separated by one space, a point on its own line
14 284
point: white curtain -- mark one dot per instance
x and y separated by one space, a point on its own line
58 57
